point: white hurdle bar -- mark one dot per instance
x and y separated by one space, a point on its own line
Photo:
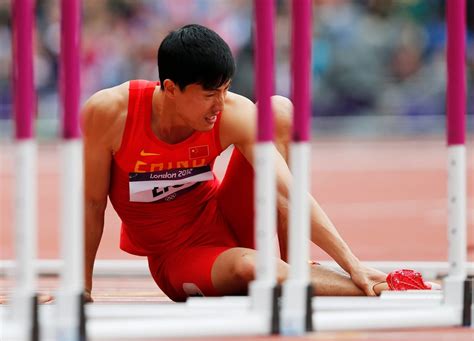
430 270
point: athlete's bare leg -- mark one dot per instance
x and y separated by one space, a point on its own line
235 268
235 195
283 118
330 282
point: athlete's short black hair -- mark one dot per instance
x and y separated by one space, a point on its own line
195 54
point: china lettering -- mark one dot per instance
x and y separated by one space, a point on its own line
159 191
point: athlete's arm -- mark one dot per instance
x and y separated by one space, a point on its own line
239 128
99 127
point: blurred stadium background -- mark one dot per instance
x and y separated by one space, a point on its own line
378 65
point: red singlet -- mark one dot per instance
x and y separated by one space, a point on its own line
159 190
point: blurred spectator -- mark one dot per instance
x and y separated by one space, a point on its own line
369 56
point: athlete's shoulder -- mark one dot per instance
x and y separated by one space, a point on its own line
238 120
235 103
108 100
105 106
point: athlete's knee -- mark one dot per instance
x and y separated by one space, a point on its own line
244 269
282 109
283 112
282 104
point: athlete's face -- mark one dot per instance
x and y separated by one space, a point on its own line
199 107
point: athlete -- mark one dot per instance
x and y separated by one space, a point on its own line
150 147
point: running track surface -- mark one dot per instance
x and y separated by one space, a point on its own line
386 197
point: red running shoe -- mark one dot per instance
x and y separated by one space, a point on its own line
400 280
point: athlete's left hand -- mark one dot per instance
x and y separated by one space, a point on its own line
366 278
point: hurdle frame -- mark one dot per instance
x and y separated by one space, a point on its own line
456 142
456 303
70 316
260 318
297 289
264 290
24 316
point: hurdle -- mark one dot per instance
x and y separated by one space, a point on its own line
297 289
260 318
24 308
454 307
430 270
421 309
70 316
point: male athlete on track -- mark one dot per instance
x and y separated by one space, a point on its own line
150 146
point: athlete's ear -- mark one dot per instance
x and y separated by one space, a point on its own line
170 88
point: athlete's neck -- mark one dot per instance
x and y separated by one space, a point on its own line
166 123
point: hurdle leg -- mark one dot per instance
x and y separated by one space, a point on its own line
70 297
297 290
24 297
263 290
456 137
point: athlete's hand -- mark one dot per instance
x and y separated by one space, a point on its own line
366 278
41 298
45 299
87 296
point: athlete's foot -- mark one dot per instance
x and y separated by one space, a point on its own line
401 280
45 299
379 287
434 285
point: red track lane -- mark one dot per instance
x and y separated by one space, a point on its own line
387 198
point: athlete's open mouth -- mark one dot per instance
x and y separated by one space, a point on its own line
211 119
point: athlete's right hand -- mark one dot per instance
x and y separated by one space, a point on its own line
41 298
87 296
44 299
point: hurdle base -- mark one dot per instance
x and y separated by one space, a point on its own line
219 324
453 289
26 313
441 316
82 318
264 300
71 316
297 309
468 306
35 327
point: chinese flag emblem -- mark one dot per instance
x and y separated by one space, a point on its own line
198 152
